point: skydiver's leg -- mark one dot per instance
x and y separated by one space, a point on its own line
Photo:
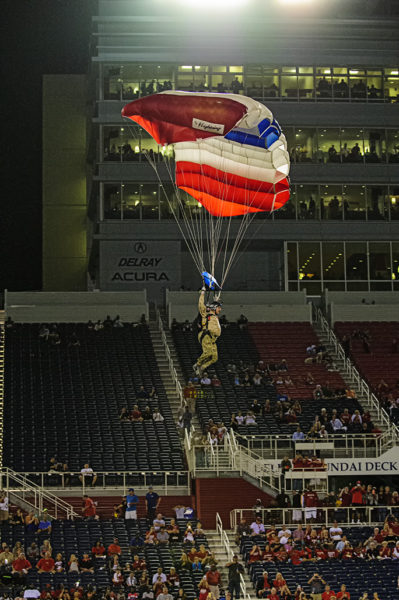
209 356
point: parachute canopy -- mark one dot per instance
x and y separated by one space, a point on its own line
230 153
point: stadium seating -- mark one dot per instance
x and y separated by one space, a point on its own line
64 401
70 537
236 345
358 575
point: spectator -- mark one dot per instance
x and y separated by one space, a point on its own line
316 583
131 505
87 476
157 417
86 564
46 564
89 508
114 549
235 570
214 580
20 568
4 514
44 524
152 501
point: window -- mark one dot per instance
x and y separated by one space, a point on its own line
391 84
354 202
149 201
352 148
356 261
112 82
308 201
333 262
329 145
331 202
309 261
323 83
393 145
292 260
112 201
377 203
305 145
374 85
375 146
380 260
131 200
289 83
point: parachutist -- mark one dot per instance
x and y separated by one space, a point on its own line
210 331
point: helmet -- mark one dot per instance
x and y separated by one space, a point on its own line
213 305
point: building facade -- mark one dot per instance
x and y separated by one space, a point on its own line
331 78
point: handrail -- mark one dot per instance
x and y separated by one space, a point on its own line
337 445
354 374
349 516
124 480
224 542
172 367
58 507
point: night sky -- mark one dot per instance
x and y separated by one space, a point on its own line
37 37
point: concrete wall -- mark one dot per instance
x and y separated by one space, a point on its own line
74 307
256 306
64 182
351 312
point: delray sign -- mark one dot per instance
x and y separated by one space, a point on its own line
139 264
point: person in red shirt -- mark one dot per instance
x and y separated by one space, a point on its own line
385 551
20 568
357 493
296 555
89 507
263 585
320 554
281 585
114 548
255 555
343 594
213 578
138 564
273 595
331 553
311 500
98 549
267 555
46 564
328 593
347 552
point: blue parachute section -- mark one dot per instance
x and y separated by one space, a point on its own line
210 281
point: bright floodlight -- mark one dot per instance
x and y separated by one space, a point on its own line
295 1
218 4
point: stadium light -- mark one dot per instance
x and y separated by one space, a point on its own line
215 4
295 1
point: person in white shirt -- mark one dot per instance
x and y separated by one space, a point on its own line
284 532
205 380
335 532
257 527
159 575
240 418
87 475
3 507
395 553
158 522
31 592
336 424
156 416
250 419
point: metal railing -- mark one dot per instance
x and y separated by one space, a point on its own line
172 367
225 543
166 482
337 445
353 374
27 494
346 516
232 457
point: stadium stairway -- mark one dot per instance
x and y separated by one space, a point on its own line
163 366
324 339
223 558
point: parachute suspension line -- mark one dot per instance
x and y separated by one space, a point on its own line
191 247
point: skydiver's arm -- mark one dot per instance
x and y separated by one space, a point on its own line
201 304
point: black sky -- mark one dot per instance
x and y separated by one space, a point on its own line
36 37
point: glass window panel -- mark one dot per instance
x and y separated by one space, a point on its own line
323 82
374 85
380 260
306 144
288 210
236 69
380 286
131 200
335 286
149 201
114 140
340 86
149 148
308 201
357 85
340 70
253 79
293 286
289 86
391 85
185 78
331 196
271 83
377 203
219 69
308 70
354 202
291 70
309 261
112 82
112 201
168 202
329 144
357 286
291 142
333 261
306 86
356 260
393 200
393 145
292 265
395 262
352 149
375 145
